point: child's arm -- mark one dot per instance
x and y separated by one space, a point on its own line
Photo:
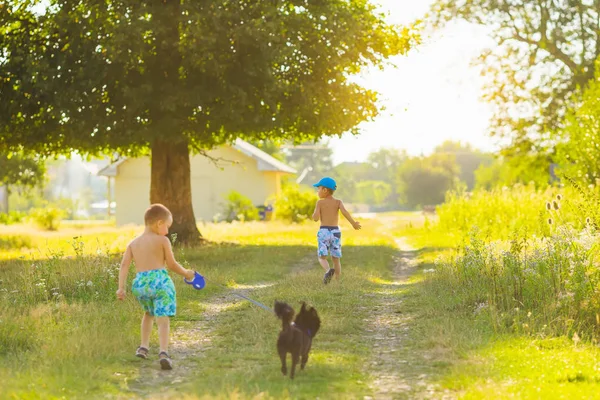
317 214
125 263
346 214
172 264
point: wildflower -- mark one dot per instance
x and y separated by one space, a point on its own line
558 197
529 314
548 206
556 205
90 283
480 307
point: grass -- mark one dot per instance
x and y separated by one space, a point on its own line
467 358
78 343
63 334
490 306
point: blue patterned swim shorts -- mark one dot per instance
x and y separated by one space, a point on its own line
330 241
155 292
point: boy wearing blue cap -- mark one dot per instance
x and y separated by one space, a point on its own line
329 236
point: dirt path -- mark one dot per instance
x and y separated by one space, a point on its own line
396 368
189 343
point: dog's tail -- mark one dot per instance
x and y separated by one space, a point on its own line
284 312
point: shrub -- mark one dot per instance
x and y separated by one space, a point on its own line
47 218
15 242
294 204
13 217
239 208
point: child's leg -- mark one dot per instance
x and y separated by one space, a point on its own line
163 333
324 263
323 240
336 253
337 266
147 322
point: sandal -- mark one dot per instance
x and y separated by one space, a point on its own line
141 352
328 275
165 361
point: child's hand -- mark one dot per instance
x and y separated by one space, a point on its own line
356 225
121 294
189 274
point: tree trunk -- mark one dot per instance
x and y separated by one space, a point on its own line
4 193
170 185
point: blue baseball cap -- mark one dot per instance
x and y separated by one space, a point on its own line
327 182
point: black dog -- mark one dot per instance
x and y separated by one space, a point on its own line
296 338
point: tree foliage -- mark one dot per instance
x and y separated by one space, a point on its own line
170 76
425 180
375 193
17 169
507 171
467 158
578 154
545 51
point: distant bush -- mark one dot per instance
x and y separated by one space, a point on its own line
239 208
9 242
48 218
13 217
294 204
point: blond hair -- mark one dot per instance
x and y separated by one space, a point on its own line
155 213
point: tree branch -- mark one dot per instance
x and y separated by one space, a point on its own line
215 160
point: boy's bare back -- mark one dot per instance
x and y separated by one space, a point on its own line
149 251
329 209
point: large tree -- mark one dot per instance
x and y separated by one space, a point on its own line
166 77
546 50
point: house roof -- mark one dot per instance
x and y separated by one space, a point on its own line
265 161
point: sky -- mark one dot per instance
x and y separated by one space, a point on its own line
432 95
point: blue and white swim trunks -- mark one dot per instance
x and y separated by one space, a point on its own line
155 292
330 241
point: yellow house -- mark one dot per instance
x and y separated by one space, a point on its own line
245 169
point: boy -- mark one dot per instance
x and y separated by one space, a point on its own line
329 236
152 285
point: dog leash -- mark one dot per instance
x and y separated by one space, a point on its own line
199 282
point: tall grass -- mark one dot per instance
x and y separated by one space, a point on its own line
526 259
503 212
